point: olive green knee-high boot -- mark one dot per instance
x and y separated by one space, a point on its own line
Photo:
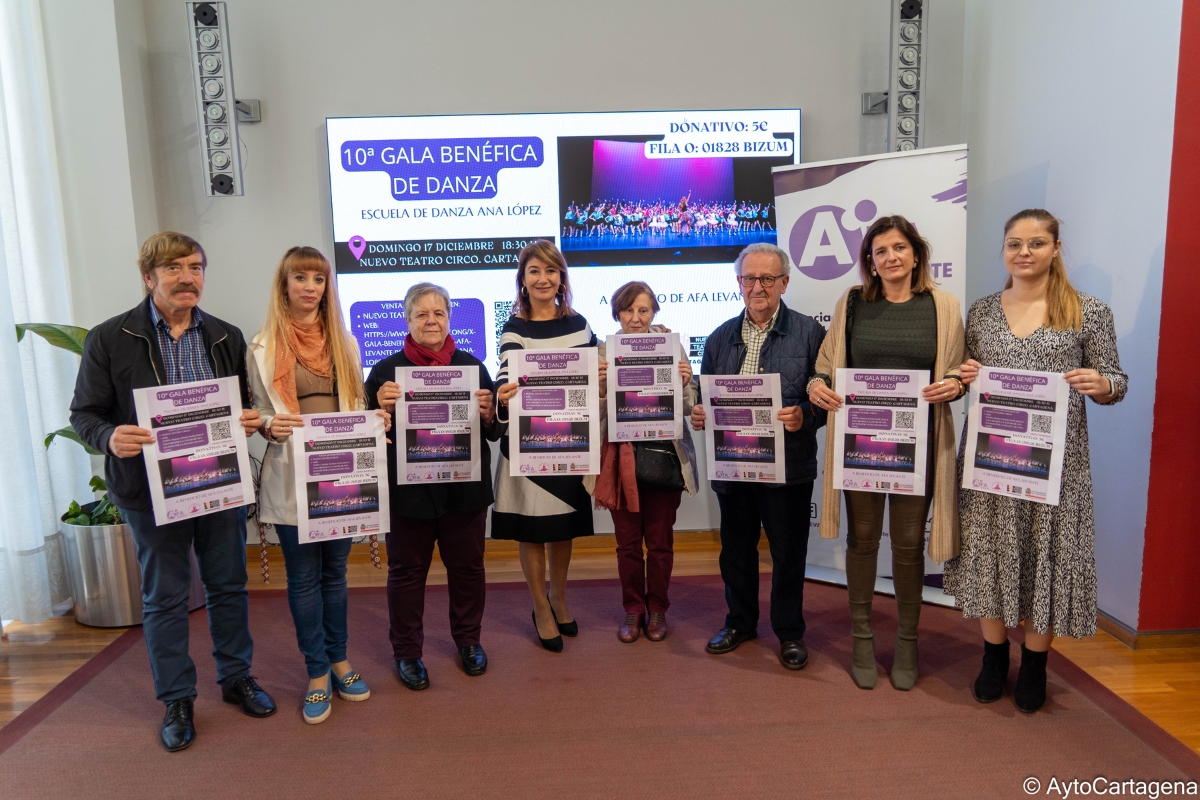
860 582
904 667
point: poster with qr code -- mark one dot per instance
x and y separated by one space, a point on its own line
645 391
1016 434
437 425
341 476
198 462
881 432
742 431
554 421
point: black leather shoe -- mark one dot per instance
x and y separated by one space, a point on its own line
565 628
178 730
554 645
727 640
474 660
246 693
413 674
793 654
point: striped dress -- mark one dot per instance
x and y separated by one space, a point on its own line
538 509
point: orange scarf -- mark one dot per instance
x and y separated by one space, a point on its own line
307 344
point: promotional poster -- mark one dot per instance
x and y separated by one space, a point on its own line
341 477
554 420
1016 434
743 437
199 462
437 425
645 390
881 431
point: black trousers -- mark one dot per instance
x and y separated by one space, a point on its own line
783 511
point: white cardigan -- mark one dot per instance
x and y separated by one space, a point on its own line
277 480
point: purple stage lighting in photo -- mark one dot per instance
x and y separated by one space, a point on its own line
865 444
1002 447
635 400
621 170
183 468
426 438
540 426
328 490
731 439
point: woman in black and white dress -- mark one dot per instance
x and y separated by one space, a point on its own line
543 514
1023 561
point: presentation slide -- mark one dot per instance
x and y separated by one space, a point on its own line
669 198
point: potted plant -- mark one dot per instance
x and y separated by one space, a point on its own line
101 558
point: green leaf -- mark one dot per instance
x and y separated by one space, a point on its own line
69 433
74 510
68 337
80 519
97 484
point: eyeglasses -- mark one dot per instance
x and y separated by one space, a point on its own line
766 281
1015 245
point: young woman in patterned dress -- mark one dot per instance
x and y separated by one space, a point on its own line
1026 562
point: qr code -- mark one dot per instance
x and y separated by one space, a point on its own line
219 431
458 412
364 459
750 476
904 419
662 374
503 311
1041 423
576 398
558 467
762 416
351 529
885 485
1014 489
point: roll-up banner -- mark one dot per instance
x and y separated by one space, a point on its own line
824 209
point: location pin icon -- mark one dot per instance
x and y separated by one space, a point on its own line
358 246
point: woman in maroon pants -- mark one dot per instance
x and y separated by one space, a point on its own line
643 509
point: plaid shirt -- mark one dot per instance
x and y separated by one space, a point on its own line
185 359
754 337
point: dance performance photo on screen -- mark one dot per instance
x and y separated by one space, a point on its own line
425 445
328 499
619 207
996 453
863 452
184 476
730 446
634 407
539 434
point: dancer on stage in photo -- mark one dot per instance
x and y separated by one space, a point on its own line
767 337
451 515
543 514
895 319
1021 561
304 361
642 485
166 340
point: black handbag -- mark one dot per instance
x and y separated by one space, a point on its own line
658 465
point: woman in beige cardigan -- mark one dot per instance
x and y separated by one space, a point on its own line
895 320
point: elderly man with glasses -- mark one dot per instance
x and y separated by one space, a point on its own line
767 337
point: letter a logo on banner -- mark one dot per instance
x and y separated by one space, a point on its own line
824 241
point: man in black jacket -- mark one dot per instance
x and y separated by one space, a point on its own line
767 337
167 340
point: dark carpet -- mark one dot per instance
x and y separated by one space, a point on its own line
602 719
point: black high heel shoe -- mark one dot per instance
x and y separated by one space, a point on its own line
554 645
565 628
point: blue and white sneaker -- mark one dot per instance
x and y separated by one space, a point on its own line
316 703
352 687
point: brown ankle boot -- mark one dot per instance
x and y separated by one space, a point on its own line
656 628
632 628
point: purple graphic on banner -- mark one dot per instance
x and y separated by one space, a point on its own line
635 376
172 439
825 240
380 328
733 417
1004 419
330 463
429 414
443 169
543 399
358 246
621 169
879 419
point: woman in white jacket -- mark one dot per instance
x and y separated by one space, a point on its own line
304 361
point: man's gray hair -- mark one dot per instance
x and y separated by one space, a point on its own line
419 290
767 250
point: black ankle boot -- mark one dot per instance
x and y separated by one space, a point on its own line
989 686
1030 694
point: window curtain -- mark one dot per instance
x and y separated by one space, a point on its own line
36 380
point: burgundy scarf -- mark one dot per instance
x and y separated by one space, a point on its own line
422 356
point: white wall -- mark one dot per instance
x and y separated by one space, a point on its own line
1070 107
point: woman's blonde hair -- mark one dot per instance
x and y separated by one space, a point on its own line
545 251
1063 309
343 351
